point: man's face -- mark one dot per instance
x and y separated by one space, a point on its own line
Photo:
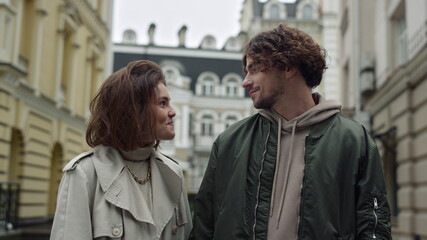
265 87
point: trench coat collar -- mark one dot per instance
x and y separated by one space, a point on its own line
122 191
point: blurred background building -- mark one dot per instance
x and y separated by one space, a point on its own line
383 57
52 60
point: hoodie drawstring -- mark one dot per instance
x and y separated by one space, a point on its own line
288 169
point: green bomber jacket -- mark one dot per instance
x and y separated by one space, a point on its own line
343 194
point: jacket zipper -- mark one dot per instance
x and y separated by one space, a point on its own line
301 209
376 217
259 183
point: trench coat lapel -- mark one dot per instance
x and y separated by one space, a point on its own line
119 187
167 189
122 191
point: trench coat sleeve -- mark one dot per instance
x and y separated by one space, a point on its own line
204 214
372 209
184 205
72 217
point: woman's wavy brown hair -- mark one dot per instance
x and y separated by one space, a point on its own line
285 47
123 109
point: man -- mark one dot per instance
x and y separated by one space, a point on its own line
298 169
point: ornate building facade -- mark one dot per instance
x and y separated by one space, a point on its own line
52 58
384 69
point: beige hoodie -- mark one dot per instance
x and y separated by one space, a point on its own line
285 199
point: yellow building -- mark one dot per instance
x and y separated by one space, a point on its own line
53 56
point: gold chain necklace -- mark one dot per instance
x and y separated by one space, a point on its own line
136 178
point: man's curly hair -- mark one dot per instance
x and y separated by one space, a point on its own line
285 47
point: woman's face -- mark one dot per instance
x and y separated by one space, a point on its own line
164 114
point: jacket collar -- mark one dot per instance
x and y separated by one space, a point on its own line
122 191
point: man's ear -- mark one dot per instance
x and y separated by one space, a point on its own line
290 72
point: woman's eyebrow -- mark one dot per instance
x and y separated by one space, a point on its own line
164 98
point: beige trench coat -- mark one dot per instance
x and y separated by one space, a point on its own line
98 199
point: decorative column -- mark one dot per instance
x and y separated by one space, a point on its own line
36 59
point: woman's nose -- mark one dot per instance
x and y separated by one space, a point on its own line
172 113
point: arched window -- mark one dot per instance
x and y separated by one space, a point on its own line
232 44
307 12
207 125
274 12
207 86
208 42
231 87
129 37
170 75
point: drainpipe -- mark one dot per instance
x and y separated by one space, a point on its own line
359 114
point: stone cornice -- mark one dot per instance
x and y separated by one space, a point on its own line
41 103
91 19
405 77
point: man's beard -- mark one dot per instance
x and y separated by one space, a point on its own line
265 102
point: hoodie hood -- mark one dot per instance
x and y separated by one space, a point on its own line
323 110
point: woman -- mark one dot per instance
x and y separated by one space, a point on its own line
124 188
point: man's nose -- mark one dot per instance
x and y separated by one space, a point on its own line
247 82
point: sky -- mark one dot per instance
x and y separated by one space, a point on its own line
219 18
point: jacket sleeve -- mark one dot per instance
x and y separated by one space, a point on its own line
372 209
204 217
72 218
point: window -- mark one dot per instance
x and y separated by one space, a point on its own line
6 35
207 86
28 23
169 75
231 87
208 42
129 37
65 88
207 125
232 44
402 41
274 12
399 40
307 12
230 120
